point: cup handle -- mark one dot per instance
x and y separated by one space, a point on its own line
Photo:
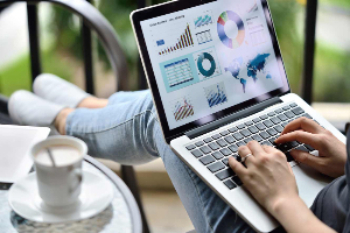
79 175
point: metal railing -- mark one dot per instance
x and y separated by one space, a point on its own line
309 50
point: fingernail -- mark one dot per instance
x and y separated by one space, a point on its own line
230 161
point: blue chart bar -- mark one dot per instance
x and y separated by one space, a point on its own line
178 72
160 42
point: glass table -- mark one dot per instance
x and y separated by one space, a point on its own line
121 216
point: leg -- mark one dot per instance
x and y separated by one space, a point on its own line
207 211
119 132
119 97
93 102
125 96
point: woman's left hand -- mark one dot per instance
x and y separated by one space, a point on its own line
267 175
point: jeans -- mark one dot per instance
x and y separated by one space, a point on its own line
127 131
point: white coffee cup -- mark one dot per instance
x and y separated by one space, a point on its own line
58 170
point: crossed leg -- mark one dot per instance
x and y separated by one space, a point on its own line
90 102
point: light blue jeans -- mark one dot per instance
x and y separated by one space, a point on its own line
128 132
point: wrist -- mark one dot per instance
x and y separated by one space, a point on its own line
283 204
293 214
293 207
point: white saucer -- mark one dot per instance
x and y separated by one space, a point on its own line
96 194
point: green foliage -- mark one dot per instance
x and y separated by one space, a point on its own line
17 76
66 29
339 3
285 21
331 75
117 13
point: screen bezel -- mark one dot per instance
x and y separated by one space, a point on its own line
175 6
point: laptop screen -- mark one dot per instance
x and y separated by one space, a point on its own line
210 58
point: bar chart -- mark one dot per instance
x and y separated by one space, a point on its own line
215 94
185 40
183 109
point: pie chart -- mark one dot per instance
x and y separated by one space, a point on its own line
229 41
206 72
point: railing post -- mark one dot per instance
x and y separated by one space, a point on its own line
142 78
129 177
309 50
88 57
34 40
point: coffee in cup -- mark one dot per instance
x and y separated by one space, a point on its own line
58 164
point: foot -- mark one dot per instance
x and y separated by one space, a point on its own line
25 108
61 119
59 91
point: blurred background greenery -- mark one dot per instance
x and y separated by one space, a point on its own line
62 53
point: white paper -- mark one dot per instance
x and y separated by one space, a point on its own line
15 144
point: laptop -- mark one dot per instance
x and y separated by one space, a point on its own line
218 81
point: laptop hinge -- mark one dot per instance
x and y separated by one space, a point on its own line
233 117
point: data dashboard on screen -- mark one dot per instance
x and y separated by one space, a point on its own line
211 57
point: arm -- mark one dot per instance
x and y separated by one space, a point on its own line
270 180
294 216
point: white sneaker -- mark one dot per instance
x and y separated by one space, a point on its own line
57 90
25 108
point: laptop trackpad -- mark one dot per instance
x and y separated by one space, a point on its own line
310 182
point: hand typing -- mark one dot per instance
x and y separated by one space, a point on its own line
332 152
267 175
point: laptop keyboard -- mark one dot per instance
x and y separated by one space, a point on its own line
214 151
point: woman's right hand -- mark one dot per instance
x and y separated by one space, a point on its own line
332 152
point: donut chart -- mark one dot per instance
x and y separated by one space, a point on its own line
231 43
204 72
